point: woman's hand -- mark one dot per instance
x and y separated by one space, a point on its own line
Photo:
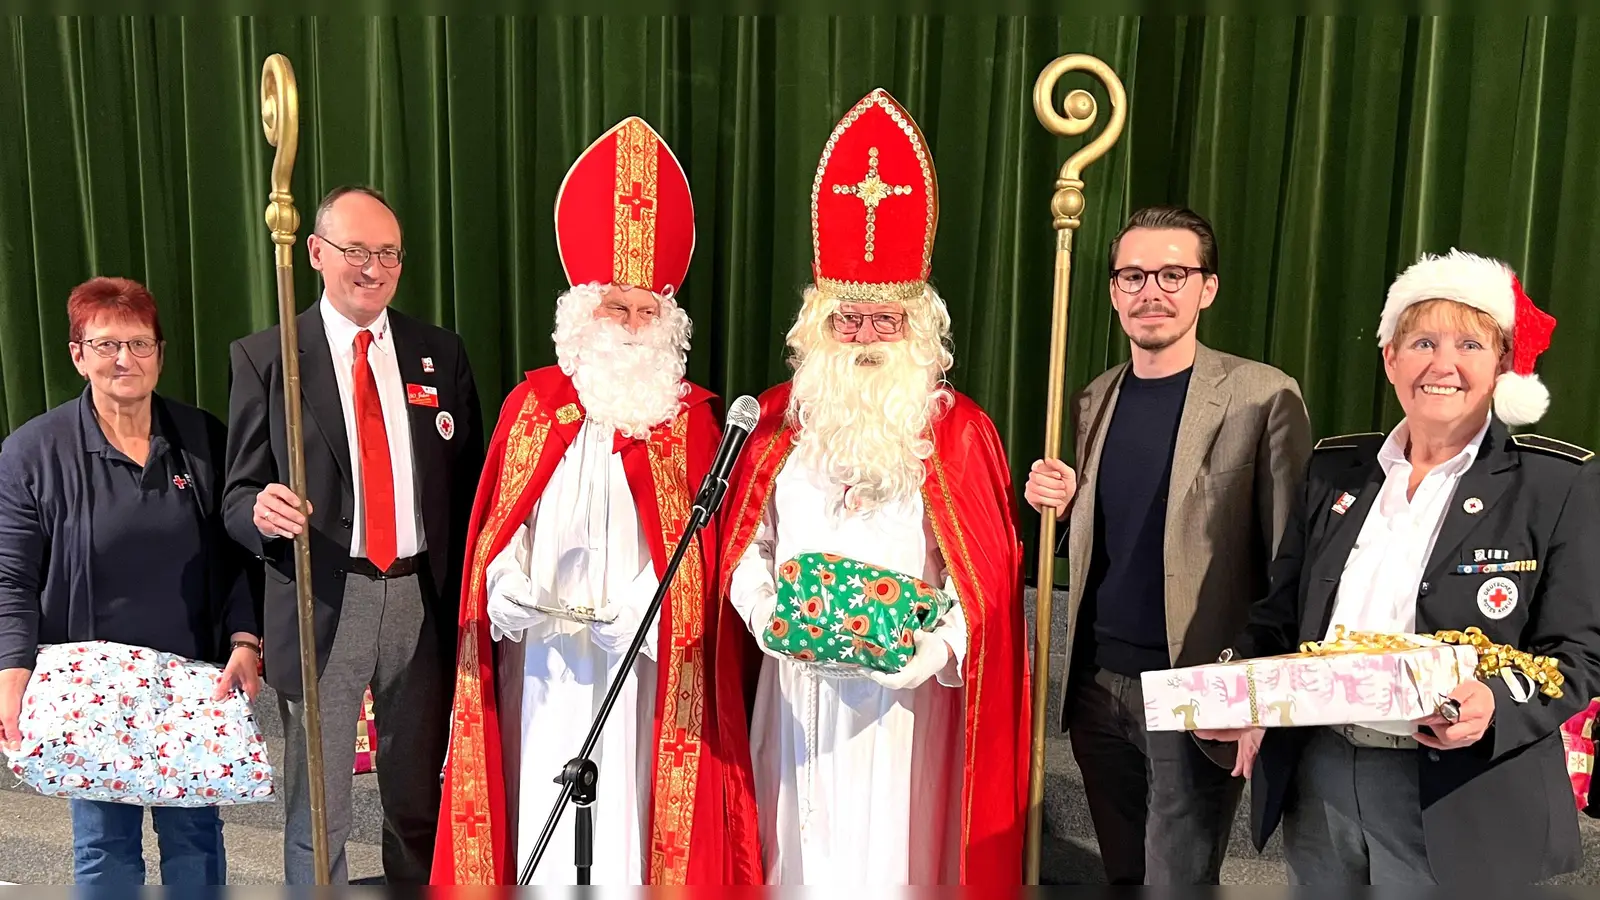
1477 713
13 684
243 670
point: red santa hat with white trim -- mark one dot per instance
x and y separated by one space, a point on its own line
1490 285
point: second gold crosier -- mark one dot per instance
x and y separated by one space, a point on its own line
1075 118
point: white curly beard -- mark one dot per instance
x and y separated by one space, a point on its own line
631 381
862 412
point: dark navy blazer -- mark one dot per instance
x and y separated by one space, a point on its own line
46 531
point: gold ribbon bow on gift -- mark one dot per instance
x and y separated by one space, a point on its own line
1359 642
1493 658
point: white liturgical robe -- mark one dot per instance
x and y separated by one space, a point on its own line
582 547
856 784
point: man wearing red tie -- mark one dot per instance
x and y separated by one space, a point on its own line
393 442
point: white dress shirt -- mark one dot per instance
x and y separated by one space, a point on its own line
1378 590
396 422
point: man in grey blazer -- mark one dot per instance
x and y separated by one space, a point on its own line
1190 459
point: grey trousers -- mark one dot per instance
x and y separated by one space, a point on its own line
1355 816
1162 809
386 639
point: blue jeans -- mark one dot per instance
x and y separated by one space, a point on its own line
108 844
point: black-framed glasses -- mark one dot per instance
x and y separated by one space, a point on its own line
1130 279
388 257
107 348
882 323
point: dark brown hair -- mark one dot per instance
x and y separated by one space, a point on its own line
1177 217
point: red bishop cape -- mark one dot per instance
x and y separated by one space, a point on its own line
693 839
968 496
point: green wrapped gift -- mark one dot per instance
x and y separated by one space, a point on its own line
843 615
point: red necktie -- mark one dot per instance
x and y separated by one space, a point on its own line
377 473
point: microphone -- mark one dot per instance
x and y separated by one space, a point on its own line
742 417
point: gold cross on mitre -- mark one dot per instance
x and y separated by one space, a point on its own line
872 190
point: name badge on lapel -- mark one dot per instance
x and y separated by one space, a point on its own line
1343 504
422 395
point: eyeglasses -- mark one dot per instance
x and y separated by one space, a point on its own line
106 348
1130 279
358 256
882 323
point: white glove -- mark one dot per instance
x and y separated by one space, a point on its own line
510 608
932 655
616 636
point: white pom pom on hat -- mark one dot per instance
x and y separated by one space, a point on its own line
1490 285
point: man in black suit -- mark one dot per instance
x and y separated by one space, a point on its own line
393 447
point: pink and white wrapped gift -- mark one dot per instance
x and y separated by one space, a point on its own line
1357 684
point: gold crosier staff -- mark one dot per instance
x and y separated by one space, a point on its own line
1065 206
280 119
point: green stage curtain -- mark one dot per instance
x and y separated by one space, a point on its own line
1329 153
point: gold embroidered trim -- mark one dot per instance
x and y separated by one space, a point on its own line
469 800
888 292
677 767
633 231
739 545
880 99
568 414
968 606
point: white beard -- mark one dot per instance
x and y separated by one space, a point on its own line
629 381
862 412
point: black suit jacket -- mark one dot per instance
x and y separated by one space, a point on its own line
258 454
47 535
1500 811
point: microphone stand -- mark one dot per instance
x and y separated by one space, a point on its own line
580 776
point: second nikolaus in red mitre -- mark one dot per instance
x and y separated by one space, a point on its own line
868 460
590 477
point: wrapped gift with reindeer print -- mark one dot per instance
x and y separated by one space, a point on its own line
843 616
1369 680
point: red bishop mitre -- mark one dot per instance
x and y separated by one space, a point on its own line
874 205
624 214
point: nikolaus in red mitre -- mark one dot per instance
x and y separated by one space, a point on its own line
589 481
918 776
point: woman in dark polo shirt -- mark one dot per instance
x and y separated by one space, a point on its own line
110 529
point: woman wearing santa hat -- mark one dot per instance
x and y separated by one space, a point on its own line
1446 522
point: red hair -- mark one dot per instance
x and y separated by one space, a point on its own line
119 297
